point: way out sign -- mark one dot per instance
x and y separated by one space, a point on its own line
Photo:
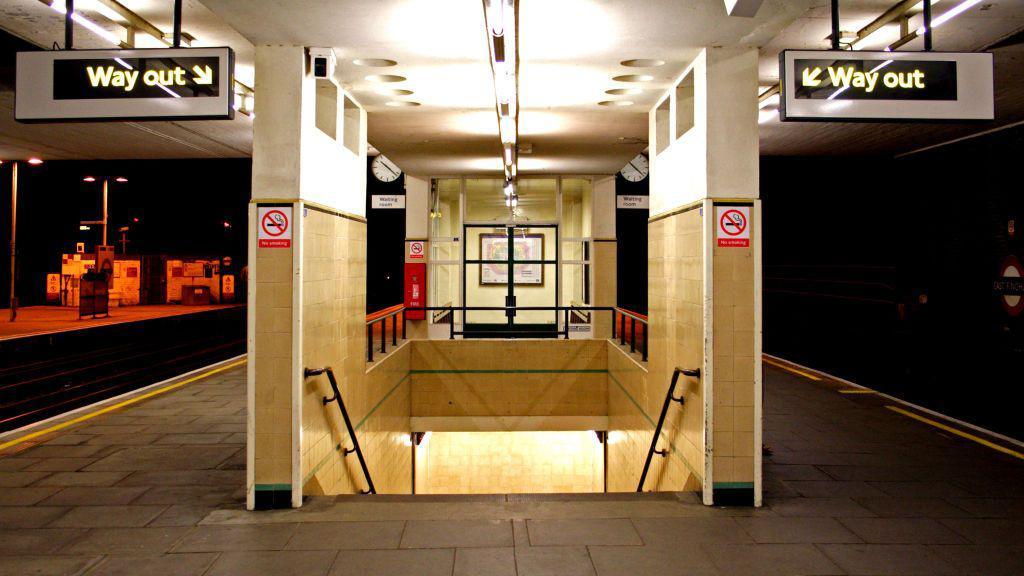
142 84
853 86
732 226
274 227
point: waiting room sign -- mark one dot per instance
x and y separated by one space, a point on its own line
107 85
852 86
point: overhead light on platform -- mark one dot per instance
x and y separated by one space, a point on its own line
89 179
121 179
35 161
500 17
84 228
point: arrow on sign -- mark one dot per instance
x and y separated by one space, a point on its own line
204 76
811 78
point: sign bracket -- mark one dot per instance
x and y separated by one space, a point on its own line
177 23
69 25
835 24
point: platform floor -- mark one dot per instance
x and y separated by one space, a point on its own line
852 488
35 320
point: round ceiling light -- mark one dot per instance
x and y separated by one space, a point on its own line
374 62
615 103
633 78
643 63
393 92
623 91
385 78
401 104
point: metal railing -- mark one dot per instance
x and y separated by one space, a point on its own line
669 398
619 316
510 311
381 318
309 373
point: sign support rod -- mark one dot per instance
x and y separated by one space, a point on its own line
927 25
14 235
69 27
835 17
177 24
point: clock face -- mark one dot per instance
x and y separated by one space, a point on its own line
636 170
385 170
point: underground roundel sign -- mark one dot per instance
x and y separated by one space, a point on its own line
1009 285
733 226
275 227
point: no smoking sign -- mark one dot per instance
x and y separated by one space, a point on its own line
275 227
733 226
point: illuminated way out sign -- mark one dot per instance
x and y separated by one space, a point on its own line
160 84
843 85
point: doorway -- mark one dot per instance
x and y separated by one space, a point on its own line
512 265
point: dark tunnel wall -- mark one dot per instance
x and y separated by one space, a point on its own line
885 272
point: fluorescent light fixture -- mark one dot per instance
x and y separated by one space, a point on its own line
84 228
87 24
772 100
508 188
508 156
765 116
507 129
35 161
947 16
120 179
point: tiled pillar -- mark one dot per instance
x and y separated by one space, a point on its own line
704 285
605 254
307 287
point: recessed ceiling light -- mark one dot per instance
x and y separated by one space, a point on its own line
374 62
615 103
643 63
402 103
634 78
623 91
385 78
393 92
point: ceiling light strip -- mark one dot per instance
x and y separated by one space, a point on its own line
500 21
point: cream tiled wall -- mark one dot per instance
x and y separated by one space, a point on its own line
271 356
334 334
734 367
509 378
605 264
509 462
676 311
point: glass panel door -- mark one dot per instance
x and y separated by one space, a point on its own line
530 253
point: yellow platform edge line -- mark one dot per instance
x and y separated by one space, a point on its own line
807 375
960 433
119 405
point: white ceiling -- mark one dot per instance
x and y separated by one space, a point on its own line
570 50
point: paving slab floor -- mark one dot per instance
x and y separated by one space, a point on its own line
850 488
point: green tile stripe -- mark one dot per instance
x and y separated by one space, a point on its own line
728 485
273 487
337 447
569 371
643 412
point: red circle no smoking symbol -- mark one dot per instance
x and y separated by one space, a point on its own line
416 248
274 223
1010 285
733 222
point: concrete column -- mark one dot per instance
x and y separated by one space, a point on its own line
605 253
307 296
704 286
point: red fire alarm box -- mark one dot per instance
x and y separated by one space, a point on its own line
415 290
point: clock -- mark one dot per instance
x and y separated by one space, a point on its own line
636 170
385 170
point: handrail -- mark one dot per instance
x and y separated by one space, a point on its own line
621 325
452 332
310 372
669 398
381 317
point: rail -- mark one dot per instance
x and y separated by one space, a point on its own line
510 311
619 316
309 373
381 318
669 398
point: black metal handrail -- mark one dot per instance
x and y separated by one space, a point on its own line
669 398
619 316
510 310
383 321
310 372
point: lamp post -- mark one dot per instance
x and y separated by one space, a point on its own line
106 189
14 232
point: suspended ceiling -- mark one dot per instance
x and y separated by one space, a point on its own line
570 51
